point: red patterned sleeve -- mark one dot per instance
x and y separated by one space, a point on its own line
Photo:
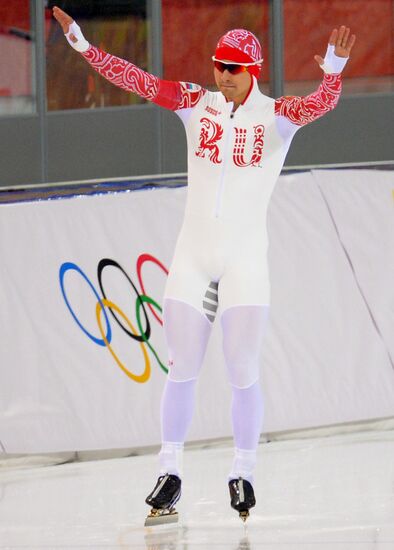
126 75
303 110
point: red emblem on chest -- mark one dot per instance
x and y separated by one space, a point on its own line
211 132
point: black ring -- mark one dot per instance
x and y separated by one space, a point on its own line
100 268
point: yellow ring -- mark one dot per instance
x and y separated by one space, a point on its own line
142 378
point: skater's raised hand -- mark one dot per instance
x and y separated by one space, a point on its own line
339 46
65 21
342 41
71 30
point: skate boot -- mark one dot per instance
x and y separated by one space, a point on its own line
242 496
163 498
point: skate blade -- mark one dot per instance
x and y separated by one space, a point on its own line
244 515
161 517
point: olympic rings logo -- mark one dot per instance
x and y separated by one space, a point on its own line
105 305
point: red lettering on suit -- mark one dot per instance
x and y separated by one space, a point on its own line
239 147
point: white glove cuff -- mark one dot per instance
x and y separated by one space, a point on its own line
332 63
82 44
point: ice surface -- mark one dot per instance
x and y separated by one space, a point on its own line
315 494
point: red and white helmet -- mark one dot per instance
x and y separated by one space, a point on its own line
240 46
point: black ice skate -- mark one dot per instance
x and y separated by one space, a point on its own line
242 496
163 499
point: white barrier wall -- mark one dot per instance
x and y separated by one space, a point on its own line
74 377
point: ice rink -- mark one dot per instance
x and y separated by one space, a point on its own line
325 493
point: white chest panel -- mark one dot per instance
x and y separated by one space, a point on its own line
234 159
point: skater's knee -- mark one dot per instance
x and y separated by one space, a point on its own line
183 370
242 363
243 373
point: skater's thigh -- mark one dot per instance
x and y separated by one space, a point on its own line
189 283
244 284
243 331
187 333
194 273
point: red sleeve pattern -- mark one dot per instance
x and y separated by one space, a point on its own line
126 75
303 110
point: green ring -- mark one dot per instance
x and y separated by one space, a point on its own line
140 300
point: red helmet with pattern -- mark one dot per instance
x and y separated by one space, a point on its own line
240 46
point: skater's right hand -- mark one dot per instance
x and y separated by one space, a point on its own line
65 21
71 30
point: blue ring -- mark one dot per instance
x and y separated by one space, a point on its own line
63 269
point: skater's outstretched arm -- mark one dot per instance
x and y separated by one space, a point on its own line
169 94
303 110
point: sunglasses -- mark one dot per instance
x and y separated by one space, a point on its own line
232 68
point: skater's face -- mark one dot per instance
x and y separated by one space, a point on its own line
234 87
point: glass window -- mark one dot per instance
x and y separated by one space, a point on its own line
119 27
191 29
308 25
16 58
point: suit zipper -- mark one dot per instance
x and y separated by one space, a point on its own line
220 190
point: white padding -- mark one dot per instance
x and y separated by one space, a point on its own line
332 63
82 45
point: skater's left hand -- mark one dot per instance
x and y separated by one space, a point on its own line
342 42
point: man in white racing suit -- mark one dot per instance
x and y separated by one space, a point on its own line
237 140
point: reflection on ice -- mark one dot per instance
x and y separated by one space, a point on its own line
244 544
167 538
